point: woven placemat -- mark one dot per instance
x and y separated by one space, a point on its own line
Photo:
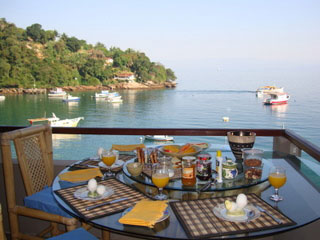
199 221
120 191
147 170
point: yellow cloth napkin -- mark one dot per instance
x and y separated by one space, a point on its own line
127 148
80 175
145 213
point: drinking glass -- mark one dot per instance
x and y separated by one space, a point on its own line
277 178
160 178
108 158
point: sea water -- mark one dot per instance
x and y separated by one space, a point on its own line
165 108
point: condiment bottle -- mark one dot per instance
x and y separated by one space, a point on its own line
219 160
204 167
188 171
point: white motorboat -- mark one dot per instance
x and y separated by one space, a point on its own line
57 92
102 94
113 95
70 98
2 97
54 121
277 98
116 99
268 90
158 138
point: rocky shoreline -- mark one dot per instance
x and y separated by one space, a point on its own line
134 85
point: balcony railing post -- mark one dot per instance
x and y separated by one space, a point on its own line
283 145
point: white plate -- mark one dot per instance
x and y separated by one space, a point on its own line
117 164
82 193
164 216
221 212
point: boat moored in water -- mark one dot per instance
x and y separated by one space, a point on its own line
277 98
57 92
70 98
2 97
54 121
158 138
102 94
268 90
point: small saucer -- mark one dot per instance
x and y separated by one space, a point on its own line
221 212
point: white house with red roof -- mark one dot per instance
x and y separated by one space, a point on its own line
125 76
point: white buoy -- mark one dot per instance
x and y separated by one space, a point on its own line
225 119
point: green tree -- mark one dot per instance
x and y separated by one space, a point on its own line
73 44
170 75
35 32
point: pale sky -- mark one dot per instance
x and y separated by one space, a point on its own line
198 38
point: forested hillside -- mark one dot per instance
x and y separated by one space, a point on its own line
34 57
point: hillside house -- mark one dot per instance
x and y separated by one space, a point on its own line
129 77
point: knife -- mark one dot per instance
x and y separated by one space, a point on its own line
269 214
106 203
208 185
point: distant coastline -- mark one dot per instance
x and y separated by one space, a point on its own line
133 85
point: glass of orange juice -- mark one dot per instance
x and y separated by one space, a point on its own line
277 178
160 178
108 158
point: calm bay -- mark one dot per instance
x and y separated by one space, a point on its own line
163 109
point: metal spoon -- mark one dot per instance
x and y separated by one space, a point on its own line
250 215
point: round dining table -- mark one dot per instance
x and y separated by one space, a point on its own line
300 204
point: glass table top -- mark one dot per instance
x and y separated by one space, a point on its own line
239 182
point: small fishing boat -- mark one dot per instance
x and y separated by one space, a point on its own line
268 90
2 97
113 95
70 98
158 138
54 121
57 92
116 99
102 94
277 98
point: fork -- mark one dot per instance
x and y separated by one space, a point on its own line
269 214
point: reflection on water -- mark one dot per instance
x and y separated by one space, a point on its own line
59 140
278 110
72 104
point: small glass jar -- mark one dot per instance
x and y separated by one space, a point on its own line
188 171
204 167
229 170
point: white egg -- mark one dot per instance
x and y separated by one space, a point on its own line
101 189
242 201
92 185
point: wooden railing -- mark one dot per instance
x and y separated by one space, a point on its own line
299 141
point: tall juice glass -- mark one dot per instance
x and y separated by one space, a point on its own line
160 178
108 158
277 178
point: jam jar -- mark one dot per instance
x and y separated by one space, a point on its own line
204 167
188 171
